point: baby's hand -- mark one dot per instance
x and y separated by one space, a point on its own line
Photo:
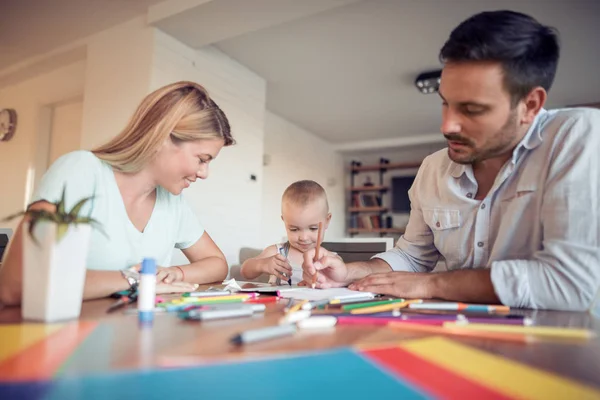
277 265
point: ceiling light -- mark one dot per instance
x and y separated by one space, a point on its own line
428 82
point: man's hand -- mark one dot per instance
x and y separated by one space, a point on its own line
407 285
332 271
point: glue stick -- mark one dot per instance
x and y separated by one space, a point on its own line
147 290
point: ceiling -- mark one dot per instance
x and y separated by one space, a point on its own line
32 27
342 69
347 74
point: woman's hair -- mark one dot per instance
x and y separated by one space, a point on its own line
181 111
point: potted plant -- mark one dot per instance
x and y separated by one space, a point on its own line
55 248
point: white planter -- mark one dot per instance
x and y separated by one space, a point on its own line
54 272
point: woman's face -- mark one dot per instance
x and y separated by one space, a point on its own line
178 165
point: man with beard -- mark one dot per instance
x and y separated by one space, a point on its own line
512 205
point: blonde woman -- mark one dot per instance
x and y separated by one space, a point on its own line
136 180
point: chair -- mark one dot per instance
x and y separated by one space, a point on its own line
358 249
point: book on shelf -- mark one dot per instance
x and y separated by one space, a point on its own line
361 200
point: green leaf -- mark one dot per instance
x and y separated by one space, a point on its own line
13 216
60 207
77 207
61 231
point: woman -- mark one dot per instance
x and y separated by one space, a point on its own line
136 180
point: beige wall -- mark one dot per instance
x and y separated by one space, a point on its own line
31 99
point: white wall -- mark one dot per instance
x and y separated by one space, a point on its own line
31 99
228 203
293 154
65 134
117 79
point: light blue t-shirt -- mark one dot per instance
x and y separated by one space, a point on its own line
171 225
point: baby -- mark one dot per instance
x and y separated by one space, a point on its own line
303 205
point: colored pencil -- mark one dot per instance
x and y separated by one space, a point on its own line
385 307
447 306
510 337
356 306
319 241
552 331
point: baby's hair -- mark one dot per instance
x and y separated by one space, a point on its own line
304 192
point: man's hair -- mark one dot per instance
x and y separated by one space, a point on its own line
527 50
304 192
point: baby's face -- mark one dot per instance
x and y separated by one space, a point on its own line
302 223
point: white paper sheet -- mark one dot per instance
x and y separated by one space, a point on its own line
324 294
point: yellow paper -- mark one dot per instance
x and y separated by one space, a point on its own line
501 374
18 337
554 331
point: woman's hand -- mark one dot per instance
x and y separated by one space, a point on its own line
169 274
175 287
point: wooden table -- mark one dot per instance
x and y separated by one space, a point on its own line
120 343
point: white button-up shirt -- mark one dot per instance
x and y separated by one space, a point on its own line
538 228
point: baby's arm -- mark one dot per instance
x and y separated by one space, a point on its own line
267 262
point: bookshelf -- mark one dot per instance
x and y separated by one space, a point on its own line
367 210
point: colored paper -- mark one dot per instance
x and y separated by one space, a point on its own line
506 376
18 337
43 358
338 374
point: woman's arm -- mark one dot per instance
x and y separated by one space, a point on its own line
207 262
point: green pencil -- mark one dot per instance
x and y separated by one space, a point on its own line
370 304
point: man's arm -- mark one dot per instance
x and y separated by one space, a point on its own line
565 273
474 285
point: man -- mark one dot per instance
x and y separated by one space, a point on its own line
512 204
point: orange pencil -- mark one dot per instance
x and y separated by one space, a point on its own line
511 337
319 240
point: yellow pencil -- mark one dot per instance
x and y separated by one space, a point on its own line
574 333
385 307
296 307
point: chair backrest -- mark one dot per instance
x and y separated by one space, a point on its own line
5 235
358 249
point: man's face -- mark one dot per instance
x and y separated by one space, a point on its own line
477 119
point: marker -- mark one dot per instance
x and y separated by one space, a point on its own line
211 293
123 301
257 308
131 311
319 322
294 317
147 291
206 315
314 304
263 300
459 307
258 335
280 250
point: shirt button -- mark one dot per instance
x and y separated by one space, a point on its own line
437 224
479 244
483 206
470 195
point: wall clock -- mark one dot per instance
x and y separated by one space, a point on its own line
8 123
